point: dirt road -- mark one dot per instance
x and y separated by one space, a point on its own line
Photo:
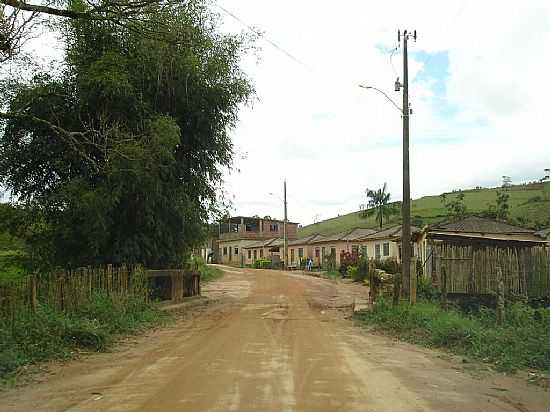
272 342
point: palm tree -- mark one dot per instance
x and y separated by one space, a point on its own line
379 205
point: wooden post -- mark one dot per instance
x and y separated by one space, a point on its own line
413 281
33 293
396 289
500 297
443 287
372 286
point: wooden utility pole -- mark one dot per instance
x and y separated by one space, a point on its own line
406 205
285 240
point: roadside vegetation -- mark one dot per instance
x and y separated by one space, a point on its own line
522 342
45 334
208 272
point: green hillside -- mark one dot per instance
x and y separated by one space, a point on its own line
530 202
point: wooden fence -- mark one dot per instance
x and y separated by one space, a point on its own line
473 270
68 290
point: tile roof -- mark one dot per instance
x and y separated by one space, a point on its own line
306 240
391 232
480 225
358 233
333 238
260 243
544 233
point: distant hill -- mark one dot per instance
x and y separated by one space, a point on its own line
530 202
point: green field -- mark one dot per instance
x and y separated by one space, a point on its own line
531 202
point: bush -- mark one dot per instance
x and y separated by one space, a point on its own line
522 342
347 259
389 265
262 264
426 290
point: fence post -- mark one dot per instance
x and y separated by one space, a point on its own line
443 287
372 286
413 280
33 293
500 297
396 289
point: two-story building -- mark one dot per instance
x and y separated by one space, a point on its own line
239 232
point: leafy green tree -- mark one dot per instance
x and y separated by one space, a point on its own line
119 158
379 205
456 208
500 210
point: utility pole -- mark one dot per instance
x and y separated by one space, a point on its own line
406 205
285 240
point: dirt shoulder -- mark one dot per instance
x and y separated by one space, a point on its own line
271 341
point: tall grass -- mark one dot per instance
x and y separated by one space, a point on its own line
31 337
522 342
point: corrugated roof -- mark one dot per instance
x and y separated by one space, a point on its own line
474 224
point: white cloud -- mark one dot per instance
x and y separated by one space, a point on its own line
331 139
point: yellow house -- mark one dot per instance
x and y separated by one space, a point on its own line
335 245
386 243
301 249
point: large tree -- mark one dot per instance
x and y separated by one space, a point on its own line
118 158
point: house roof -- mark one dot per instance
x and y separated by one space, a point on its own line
260 243
391 232
358 233
474 224
544 233
306 240
237 220
333 238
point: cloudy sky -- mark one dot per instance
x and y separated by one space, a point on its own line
479 81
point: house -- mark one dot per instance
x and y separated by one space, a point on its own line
473 250
386 243
336 244
237 233
302 248
475 230
262 249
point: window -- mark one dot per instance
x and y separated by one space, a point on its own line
323 252
225 251
291 255
364 251
274 227
261 253
300 252
386 249
250 254
236 252
317 252
377 251
255 254
355 249
333 251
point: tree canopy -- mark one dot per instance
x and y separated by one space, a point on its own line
118 158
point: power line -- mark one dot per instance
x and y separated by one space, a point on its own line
262 35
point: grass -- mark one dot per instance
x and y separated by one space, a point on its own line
210 273
30 338
521 343
531 202
11 264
